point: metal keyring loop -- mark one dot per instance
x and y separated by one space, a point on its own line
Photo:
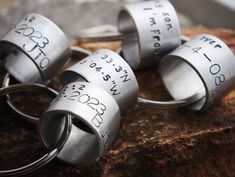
170 104
54 151
31 119
77 52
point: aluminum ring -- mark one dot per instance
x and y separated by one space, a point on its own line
35 49
54 150
154 28
96 119
205 65
77 53
108 70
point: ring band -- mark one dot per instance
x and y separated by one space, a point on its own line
96 119
54 151
108 70
196 74
154 29
28 48
77 53
204 64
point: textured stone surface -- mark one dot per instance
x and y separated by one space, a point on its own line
150 142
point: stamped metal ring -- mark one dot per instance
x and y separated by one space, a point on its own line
54 150
77 53
155 31
96 119
35 49
204 64
108 70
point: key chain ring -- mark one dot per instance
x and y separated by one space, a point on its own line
27 117
77 53
170 104
53 152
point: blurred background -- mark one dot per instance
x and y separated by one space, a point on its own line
74 15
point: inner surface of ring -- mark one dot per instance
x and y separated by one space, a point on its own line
181 80
70 76
130 44
21 67
82 146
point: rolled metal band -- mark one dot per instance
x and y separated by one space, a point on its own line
54 150
77 52
204 65
96 119
35 49
153 29
108 70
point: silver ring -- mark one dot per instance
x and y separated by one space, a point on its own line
205 65
28 48
77 53
108 70
155 31
96 119
54 150
29 118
